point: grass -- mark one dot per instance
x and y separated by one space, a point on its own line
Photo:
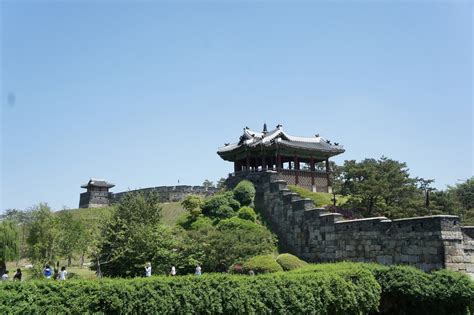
93 216
319 199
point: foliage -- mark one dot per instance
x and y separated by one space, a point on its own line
43 235
290 262
133 236
192 204
261 264
220 206
381 187
319 199
9 245
407 290
72 236
208 184
201 223
353 293
244 193
236 223
247 213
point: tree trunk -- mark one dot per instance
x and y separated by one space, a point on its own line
69 261
82 260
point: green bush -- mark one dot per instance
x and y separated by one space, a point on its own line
407 290
201 223
244 192
247 213
236 223
261 264
356 293
290 262
220 206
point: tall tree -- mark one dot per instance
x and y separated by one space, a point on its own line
380 186
43 234
71 236
9 247
134 236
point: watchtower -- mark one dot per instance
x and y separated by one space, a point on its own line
97 194
301 161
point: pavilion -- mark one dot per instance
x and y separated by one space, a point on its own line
301 161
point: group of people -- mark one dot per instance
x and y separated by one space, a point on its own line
61 275
197 272
47 273
16 276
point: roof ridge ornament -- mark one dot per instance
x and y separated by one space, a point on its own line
265 128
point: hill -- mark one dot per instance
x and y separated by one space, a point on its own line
92 216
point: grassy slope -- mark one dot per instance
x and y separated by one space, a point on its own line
92 216
319 199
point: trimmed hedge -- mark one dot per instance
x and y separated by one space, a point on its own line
290 262
407 290
261 264
314 293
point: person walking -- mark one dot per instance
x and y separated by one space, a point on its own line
5 276
47 272
17 275
148 270
63 273
173 271
198 270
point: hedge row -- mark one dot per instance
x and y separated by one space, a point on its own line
282 293
407 290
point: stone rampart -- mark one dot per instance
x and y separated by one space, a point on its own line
170 193
429 243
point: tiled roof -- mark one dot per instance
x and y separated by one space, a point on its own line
98 183
253 139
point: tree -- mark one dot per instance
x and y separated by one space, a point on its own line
208 184
193 204
221 183
43 234
380 186
72 236
244 193
465 193
134 236
9 246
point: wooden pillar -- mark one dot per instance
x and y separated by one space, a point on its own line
236 166
247 163
327 172
311 164
297 168
279 164
264 162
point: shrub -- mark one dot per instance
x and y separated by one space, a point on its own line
220 206
244 192
262 264
407 290
236 223
290 262
247 213
356 293
201 223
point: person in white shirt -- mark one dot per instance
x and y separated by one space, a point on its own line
63 273
5 276
148 270
173 271
198 270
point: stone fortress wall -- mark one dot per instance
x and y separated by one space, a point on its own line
170 193
316 235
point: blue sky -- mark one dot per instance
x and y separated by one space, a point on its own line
143 94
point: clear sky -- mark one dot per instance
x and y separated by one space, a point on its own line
143 94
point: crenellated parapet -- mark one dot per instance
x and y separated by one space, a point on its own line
316 235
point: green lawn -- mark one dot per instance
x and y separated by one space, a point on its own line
320 199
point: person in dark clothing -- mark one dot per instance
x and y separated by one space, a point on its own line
17 275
